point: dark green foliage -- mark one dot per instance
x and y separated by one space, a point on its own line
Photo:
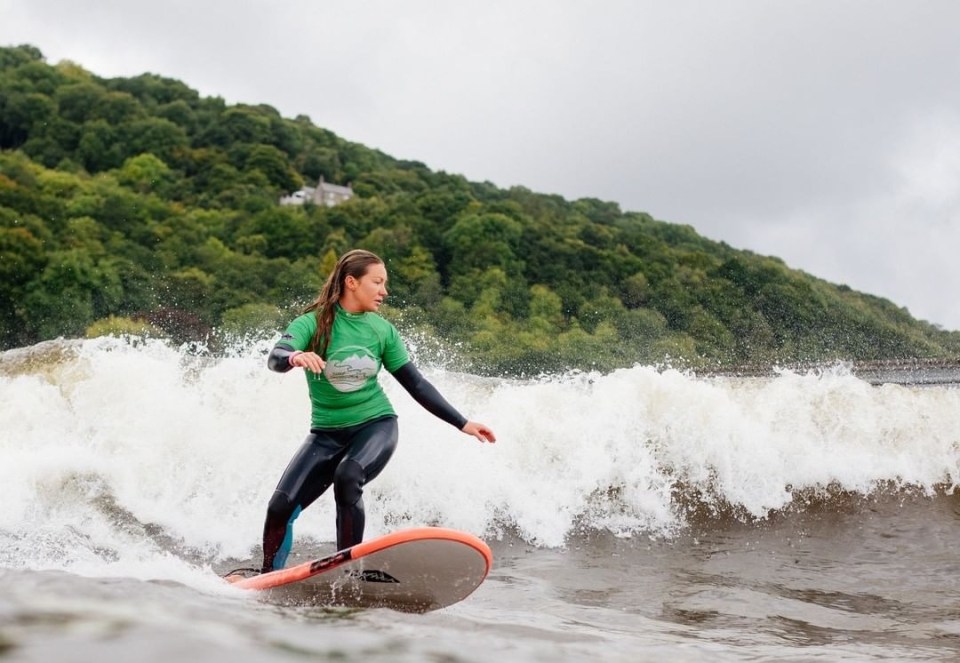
135 199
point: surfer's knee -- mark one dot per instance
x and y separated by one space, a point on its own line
280 506
348 482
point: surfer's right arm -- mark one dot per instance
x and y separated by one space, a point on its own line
283 357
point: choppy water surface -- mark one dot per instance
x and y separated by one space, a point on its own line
642 515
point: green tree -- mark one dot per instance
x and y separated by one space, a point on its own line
155 135
78 102
100 147
145 173
21 257
251 319
15 56
481 241
71 292
275 167
21 115
117 108
120 326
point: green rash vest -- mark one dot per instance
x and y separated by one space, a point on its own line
348 392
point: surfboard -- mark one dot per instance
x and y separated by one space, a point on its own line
412 570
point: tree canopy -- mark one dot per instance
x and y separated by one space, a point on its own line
135 203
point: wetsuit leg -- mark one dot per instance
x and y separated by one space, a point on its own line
371 446
309 473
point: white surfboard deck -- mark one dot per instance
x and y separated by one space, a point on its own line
413 570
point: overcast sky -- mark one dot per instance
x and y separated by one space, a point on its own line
825 132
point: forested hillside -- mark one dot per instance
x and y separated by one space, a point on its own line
131 204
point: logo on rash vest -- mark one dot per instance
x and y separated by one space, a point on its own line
350 367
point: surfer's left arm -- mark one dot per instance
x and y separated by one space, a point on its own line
411 379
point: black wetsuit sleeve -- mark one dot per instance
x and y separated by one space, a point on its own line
427 395
279 358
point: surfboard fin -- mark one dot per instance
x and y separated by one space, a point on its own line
240 574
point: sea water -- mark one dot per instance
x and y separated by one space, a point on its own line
645 514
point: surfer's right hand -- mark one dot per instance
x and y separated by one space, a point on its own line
308 360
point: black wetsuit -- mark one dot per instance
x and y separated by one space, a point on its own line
347 458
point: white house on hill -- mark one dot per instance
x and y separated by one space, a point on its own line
323 194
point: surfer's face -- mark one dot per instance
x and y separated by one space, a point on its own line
368 292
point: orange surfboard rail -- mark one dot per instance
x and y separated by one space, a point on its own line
313 567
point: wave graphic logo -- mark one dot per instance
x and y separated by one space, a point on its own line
349 368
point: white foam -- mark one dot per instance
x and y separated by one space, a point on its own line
130 450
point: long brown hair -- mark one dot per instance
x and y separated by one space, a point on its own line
352 263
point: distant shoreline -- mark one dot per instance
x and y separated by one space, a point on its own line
911 372
889 371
